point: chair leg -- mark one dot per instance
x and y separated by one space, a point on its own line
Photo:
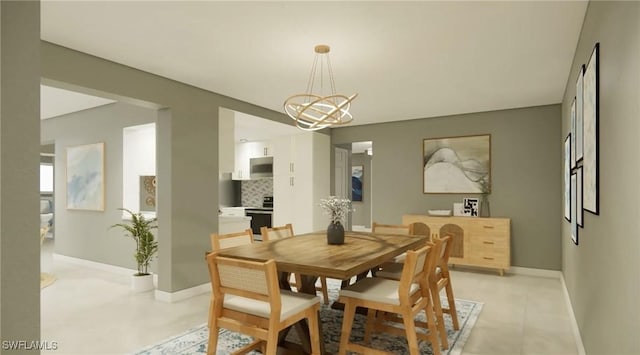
437 306
347 323
370 325
213 337
210 312
452 305
314 331
431 325
272 342
412 338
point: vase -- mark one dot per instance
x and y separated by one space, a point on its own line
485 210
335 233
142 283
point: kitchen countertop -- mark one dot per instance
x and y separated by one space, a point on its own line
229 219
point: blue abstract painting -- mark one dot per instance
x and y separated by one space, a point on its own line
357 177
85 177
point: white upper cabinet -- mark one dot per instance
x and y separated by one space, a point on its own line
301 178
246 151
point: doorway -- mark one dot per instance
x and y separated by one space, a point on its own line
361 184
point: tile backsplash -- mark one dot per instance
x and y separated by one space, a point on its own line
252 191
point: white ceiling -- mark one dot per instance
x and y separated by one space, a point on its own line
250 128
55 102
405 59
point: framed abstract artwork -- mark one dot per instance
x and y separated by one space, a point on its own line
567 178
591 107
457 164
574 209
579 125
357 180
85 177
470 207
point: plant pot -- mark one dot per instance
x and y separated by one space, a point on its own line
335 233
142 283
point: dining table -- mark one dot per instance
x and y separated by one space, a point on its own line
311 256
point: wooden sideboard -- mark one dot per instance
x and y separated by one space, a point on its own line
483 242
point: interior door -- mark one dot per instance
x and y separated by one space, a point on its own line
342 177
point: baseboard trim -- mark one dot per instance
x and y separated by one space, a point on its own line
94 264
171 297
574 323
517 270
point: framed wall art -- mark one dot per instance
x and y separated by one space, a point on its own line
147 193
470 207
590 161
579 125
567 178
573 133
574 209
579 210
457 164
357 179
85 177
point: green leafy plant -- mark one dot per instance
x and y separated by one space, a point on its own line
140 231
336 208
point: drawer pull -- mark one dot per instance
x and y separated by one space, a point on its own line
486 258
489 227
485 242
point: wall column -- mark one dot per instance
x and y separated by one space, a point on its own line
19 167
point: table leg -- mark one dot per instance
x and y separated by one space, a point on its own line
302 327
309 287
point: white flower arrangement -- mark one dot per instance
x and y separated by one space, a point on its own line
336 208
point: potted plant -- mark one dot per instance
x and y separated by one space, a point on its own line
337 209
139 229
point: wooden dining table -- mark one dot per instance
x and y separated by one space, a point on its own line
310 256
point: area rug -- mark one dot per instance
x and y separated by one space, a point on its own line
46 279
194 341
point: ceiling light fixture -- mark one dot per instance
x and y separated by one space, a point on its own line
312 110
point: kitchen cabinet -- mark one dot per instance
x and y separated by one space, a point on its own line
301 177
246 151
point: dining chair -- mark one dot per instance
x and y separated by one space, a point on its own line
442 278
441 246
389 229
223 241
406 297
286 231
248 300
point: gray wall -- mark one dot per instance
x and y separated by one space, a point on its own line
19 173
362 214
86 234
187 164
525 170
601 273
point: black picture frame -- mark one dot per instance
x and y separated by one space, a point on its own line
579 209
567 178
579 124
590 163
573 133
574 210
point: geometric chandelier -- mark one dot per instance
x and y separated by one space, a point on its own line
312 110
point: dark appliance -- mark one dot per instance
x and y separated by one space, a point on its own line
261 216
261 168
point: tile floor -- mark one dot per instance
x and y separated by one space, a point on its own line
89 311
